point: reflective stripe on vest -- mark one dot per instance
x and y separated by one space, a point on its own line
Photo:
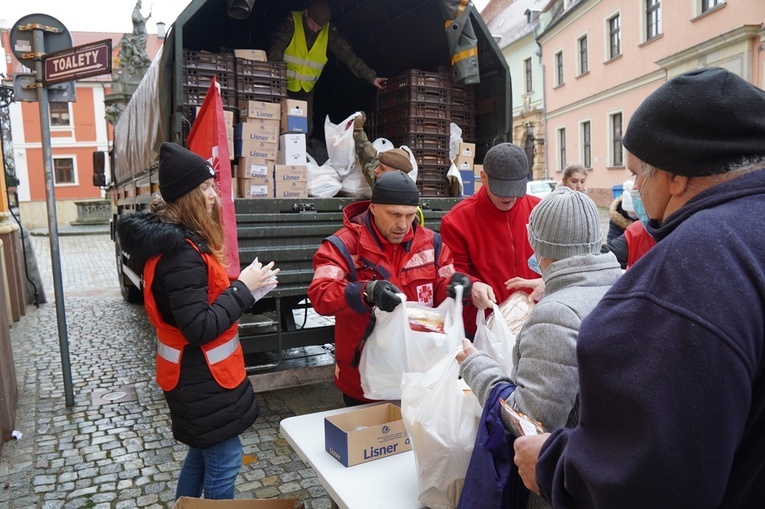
168 353
304 67
222 352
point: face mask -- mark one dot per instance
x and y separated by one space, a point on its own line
534 265
637 204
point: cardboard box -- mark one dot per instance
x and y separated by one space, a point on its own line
259 110
257 55
294 124
467 150
292 189
468 182
257 149
274 503
477 169
294 107
287 173
366 435
229 118
256 187
464 163
292 149
254 167
257 131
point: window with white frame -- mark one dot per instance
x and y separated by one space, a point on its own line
614 36
559 68
63 170
561 148
652 19
709 4
615 123
586 144
527 74
584 63
59 114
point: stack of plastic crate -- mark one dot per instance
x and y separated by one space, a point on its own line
414 110
199 69
463 110
261 81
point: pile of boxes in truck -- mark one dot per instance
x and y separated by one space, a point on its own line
468 172
270 150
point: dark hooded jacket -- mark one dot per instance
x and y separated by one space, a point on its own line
203 413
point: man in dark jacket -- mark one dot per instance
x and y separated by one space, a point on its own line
672 360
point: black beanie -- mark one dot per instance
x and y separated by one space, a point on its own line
699 123
395 188
180 171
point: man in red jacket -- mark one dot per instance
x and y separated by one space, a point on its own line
380 249
487 232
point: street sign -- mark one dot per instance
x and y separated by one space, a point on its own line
25 90
78 62
57 37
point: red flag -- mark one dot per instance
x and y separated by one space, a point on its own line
208 139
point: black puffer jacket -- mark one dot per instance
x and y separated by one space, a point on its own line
203 413
619 220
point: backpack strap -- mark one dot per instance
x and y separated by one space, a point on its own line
340 245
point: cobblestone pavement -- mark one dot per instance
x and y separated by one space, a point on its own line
100 454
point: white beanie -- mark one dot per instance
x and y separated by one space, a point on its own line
627 205
565 223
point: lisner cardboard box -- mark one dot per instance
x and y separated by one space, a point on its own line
252 167
365 435
257 131
256 187
290 172
292 189
259 110
247 148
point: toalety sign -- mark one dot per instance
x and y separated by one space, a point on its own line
79 62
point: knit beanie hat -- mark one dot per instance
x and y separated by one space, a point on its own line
396 158
507 167
699 123
180 171
565 223
319 12
395 188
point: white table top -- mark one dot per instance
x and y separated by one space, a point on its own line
382 483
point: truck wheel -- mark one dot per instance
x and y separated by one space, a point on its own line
128 290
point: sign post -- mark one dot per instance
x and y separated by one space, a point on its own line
42 42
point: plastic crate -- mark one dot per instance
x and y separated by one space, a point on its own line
254 68
413 94
262 86
196 95
468 134
463 118
268 98
432 157
432 181
417 78
210 61
412 110
411 125
203 78
422 141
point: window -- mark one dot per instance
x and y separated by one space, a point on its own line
652 19
586 145
559 68
561 148
617 158
614 37
527 74
63 170
708 4
59 114
584 64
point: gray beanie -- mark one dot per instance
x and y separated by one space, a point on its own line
565 223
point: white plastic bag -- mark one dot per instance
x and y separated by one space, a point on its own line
442 416
340 145
355 185
383 144
394 348
323 181
496 340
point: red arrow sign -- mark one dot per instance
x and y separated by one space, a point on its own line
78 62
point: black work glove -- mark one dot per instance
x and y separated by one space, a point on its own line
382 294
462 280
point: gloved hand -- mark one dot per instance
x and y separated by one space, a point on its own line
382 294
458 279
358 122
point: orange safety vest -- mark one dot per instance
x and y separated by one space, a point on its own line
639 242
224 354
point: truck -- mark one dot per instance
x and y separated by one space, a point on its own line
391 37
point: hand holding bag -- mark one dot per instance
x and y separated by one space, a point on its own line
496 340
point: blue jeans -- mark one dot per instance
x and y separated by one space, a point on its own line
212 471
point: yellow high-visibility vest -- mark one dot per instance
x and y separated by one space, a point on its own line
304 67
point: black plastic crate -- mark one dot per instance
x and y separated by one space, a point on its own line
268 98
210 61
254 68
432 181
432 157
196 95
203 78
422 141
412 125
413 95
417 78
413 110
262 86
463 118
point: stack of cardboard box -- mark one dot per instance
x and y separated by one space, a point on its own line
262 140
464 163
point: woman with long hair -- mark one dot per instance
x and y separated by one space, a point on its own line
178 248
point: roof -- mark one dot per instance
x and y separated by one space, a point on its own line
511 24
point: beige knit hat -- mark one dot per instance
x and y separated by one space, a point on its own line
565 223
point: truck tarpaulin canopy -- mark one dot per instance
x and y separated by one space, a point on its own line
462 40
